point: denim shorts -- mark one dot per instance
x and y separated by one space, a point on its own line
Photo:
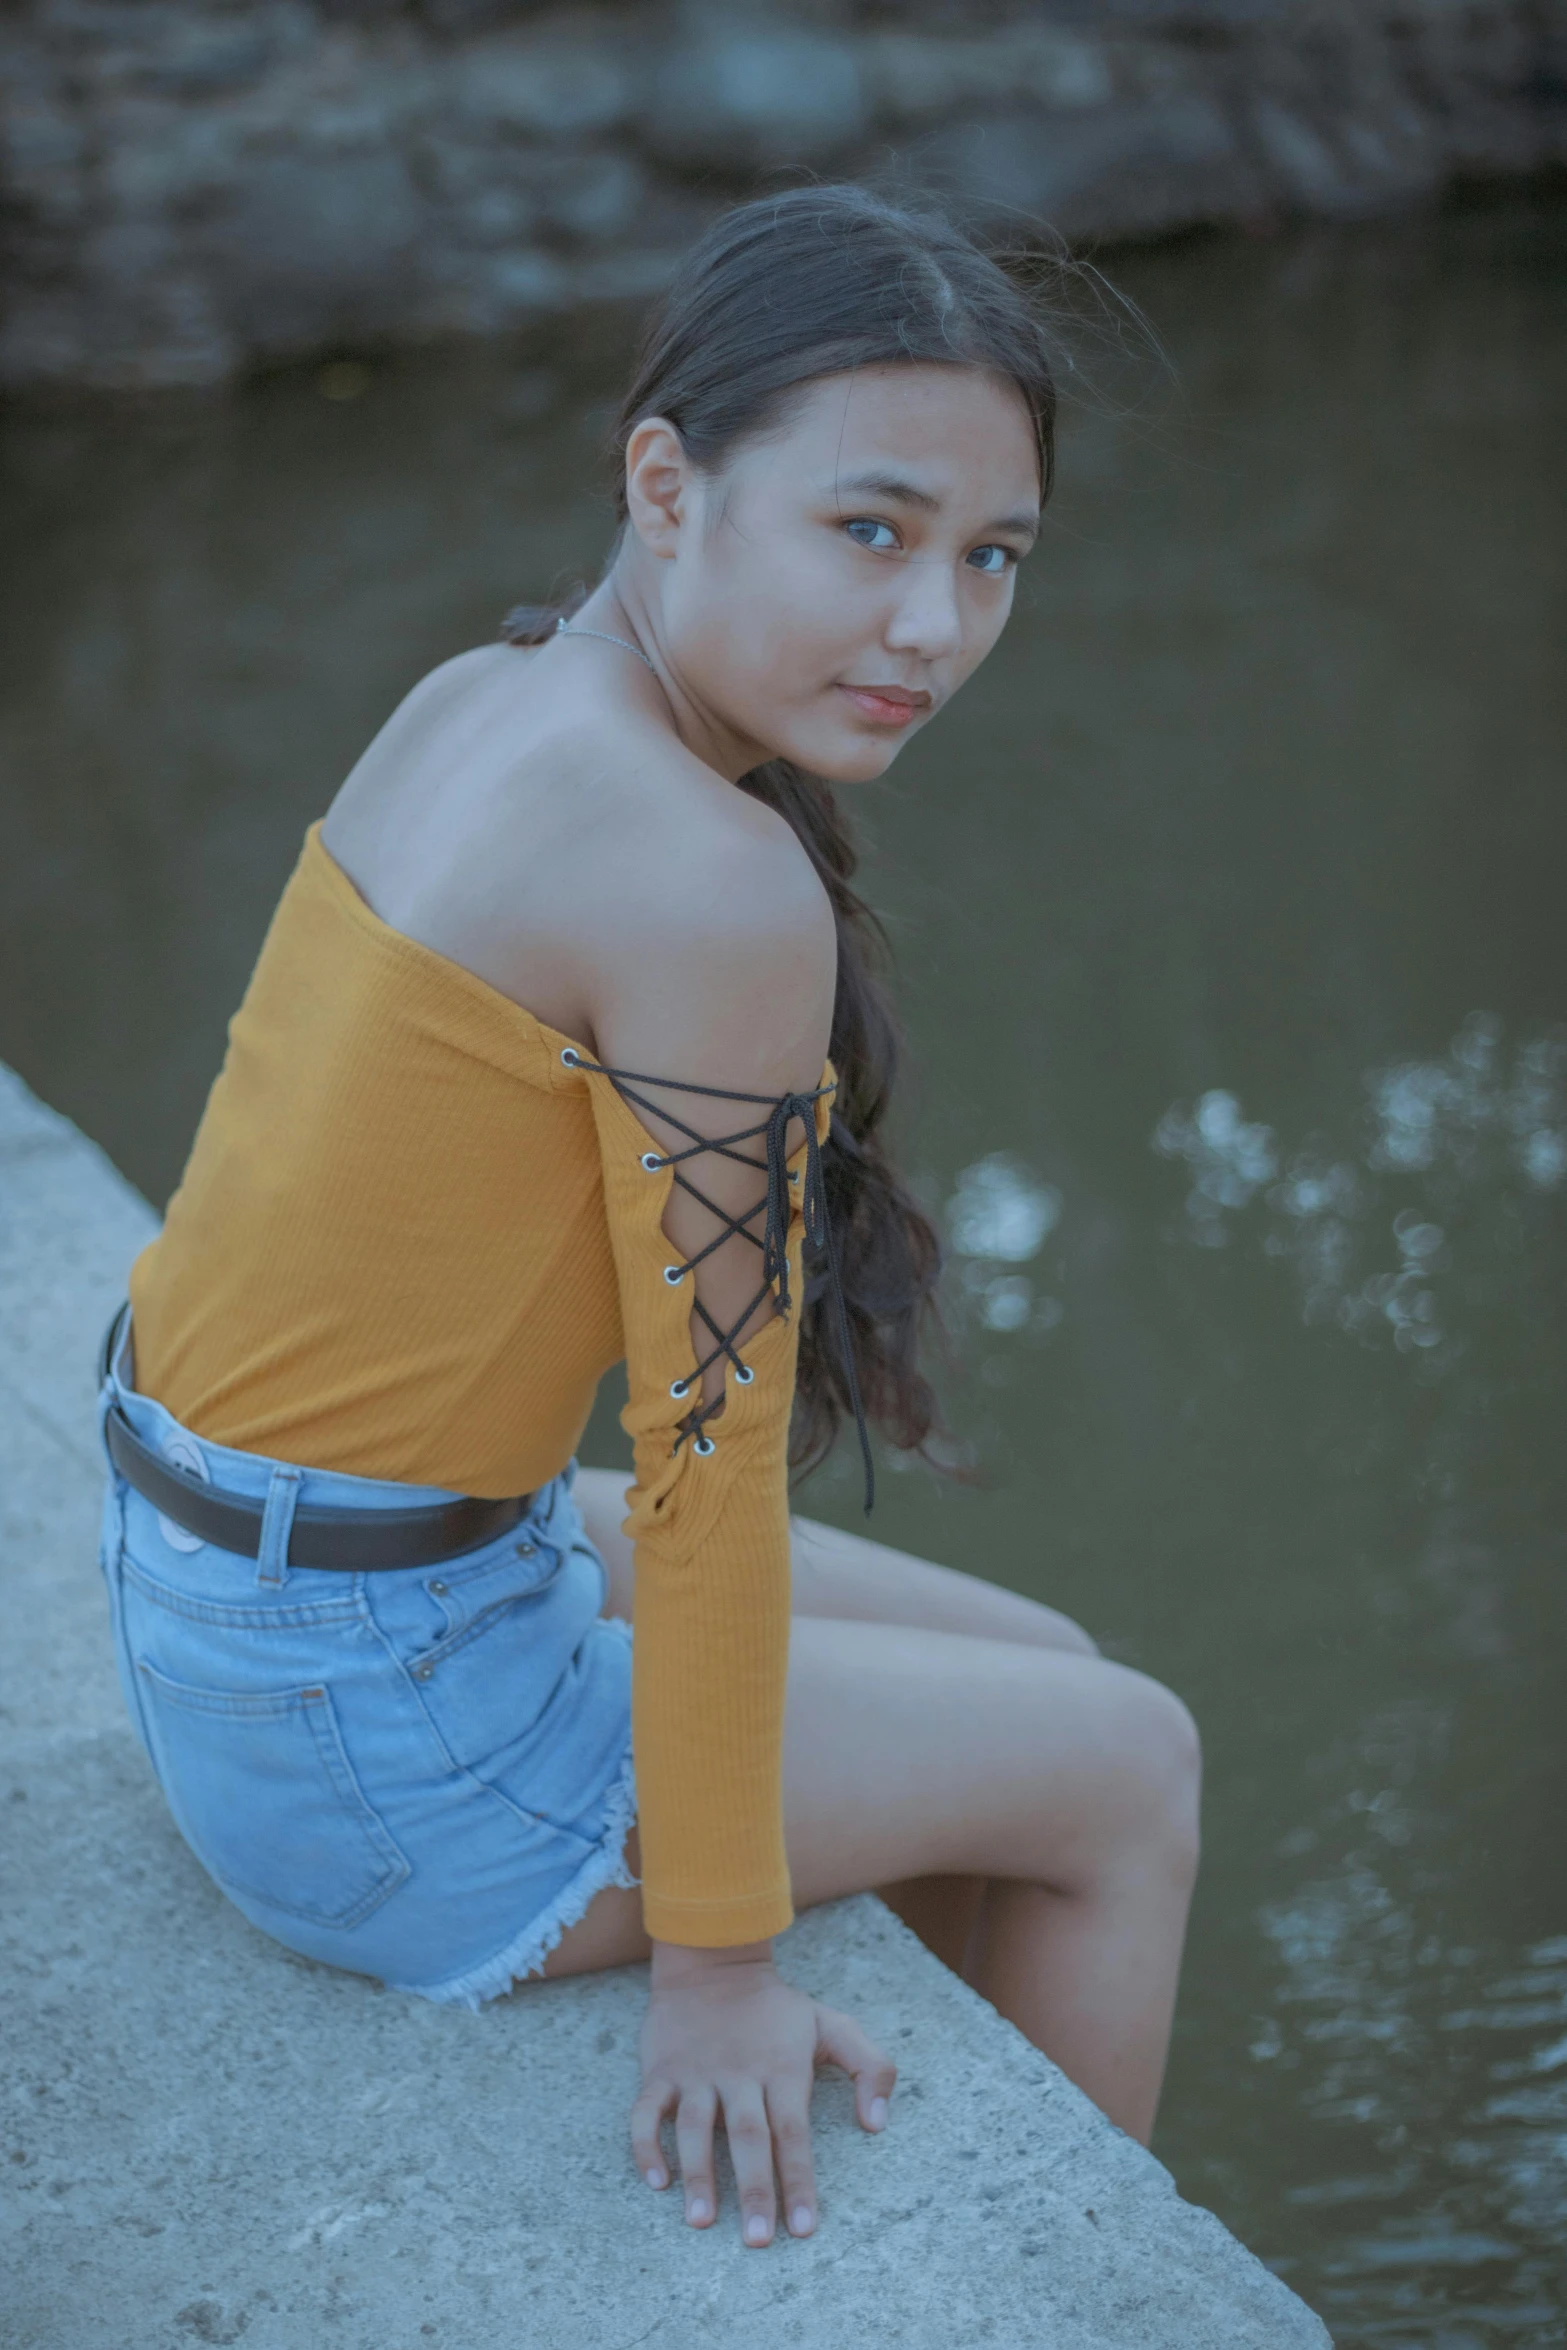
422 1773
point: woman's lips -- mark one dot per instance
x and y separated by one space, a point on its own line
887 705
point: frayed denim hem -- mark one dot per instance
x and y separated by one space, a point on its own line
606 1865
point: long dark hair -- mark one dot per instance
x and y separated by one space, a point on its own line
776 295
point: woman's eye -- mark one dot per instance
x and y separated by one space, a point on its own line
992 560
865 533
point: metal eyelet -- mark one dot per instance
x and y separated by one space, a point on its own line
680 1390
569 1057
794 1175
674 1275
704 1445
652 1162
744 1375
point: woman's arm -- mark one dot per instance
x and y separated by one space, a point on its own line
737 1003
735 993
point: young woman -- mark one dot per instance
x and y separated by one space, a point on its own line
565 1045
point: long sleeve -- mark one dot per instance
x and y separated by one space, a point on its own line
711 1536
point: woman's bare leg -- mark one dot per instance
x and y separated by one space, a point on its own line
839 1576
1071 1780
846 1577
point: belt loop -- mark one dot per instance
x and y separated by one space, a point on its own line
115 1348
277 1524
111 1386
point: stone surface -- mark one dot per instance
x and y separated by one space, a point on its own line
205 2139
189 188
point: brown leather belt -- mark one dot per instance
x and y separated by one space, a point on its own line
346 1541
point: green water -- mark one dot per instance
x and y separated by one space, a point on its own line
1230 908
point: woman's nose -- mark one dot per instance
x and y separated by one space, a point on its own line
928 620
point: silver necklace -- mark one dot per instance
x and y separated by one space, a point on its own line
604 639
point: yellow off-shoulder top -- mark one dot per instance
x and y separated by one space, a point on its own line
413 1233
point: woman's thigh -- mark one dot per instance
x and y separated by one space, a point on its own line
846 1577
911 1753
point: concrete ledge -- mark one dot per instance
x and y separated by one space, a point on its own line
209 2140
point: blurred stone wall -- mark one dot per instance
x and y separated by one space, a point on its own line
191 187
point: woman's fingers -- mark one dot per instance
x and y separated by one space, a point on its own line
751 2152
647 2144
747 2051
694 2138
788 2110
839 2040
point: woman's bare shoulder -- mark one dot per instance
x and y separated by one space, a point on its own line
442 692
714 945
453 711
720 850
576 855
696 885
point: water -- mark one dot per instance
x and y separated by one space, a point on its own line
1230 911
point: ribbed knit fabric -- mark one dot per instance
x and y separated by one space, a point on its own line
408 1243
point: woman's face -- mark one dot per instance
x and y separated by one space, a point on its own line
822 595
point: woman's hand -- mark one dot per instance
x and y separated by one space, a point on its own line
722 2032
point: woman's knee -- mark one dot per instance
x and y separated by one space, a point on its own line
1166 1750
1059 1631
1140 1779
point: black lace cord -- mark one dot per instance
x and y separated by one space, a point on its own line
774 1240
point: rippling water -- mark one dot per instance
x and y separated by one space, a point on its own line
1229 902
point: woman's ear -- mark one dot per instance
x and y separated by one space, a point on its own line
658 479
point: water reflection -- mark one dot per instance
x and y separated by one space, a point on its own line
1477 1127
999 1214
1230 1160
1363 1999
1434 1113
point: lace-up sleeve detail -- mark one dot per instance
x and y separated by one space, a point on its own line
709 1511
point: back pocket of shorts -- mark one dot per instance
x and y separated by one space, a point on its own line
264 1795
